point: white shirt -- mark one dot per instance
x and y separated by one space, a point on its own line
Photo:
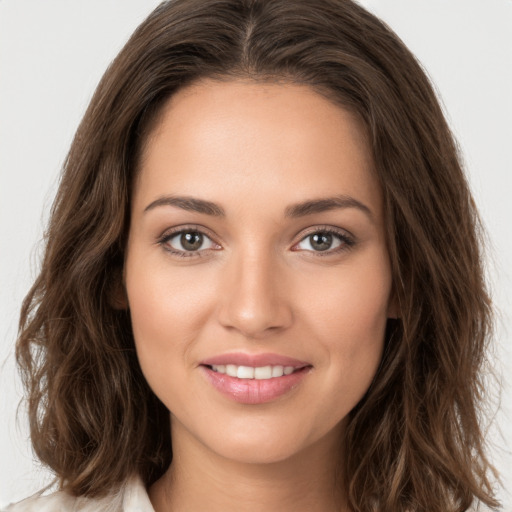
132 497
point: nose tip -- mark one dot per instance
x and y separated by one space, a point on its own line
254 301
255 318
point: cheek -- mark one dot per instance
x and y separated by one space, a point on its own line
354 299
167 310
352 331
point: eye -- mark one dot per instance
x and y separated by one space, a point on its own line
326 241
187 242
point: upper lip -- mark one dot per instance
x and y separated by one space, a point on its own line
254 360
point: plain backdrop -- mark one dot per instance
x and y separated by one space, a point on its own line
52 54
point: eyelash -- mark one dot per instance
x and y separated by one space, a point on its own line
169 235
347 241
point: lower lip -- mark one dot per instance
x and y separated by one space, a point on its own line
254 391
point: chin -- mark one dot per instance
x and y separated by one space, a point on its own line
272 452
269 444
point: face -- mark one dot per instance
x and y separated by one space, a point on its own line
257 274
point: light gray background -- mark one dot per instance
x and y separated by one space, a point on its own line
52 54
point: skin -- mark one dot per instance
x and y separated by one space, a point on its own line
257 284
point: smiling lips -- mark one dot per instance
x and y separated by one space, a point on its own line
249 372
254 379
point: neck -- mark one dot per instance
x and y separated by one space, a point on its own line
199 479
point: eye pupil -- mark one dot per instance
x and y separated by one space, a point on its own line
191 241
321 241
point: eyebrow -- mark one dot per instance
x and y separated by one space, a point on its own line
190 204
293 211
326 204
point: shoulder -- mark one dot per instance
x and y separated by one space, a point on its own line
132 497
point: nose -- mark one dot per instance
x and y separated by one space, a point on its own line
255 301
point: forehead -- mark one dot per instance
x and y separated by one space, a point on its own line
249 139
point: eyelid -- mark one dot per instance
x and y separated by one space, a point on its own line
348 240
324 228
168 234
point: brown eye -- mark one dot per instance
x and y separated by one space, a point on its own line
324 241
188 241
321 241
191 241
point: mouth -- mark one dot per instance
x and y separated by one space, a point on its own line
263 381
251 372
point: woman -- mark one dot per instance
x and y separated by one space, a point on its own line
262 282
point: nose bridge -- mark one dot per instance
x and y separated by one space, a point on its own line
254 302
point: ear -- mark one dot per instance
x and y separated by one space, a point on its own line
117 297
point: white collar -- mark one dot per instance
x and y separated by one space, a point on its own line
135 497
132 497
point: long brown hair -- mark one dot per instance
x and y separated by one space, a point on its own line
414 443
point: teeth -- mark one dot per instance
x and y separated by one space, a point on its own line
245 372
249 372
231 369
263 372
277 371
